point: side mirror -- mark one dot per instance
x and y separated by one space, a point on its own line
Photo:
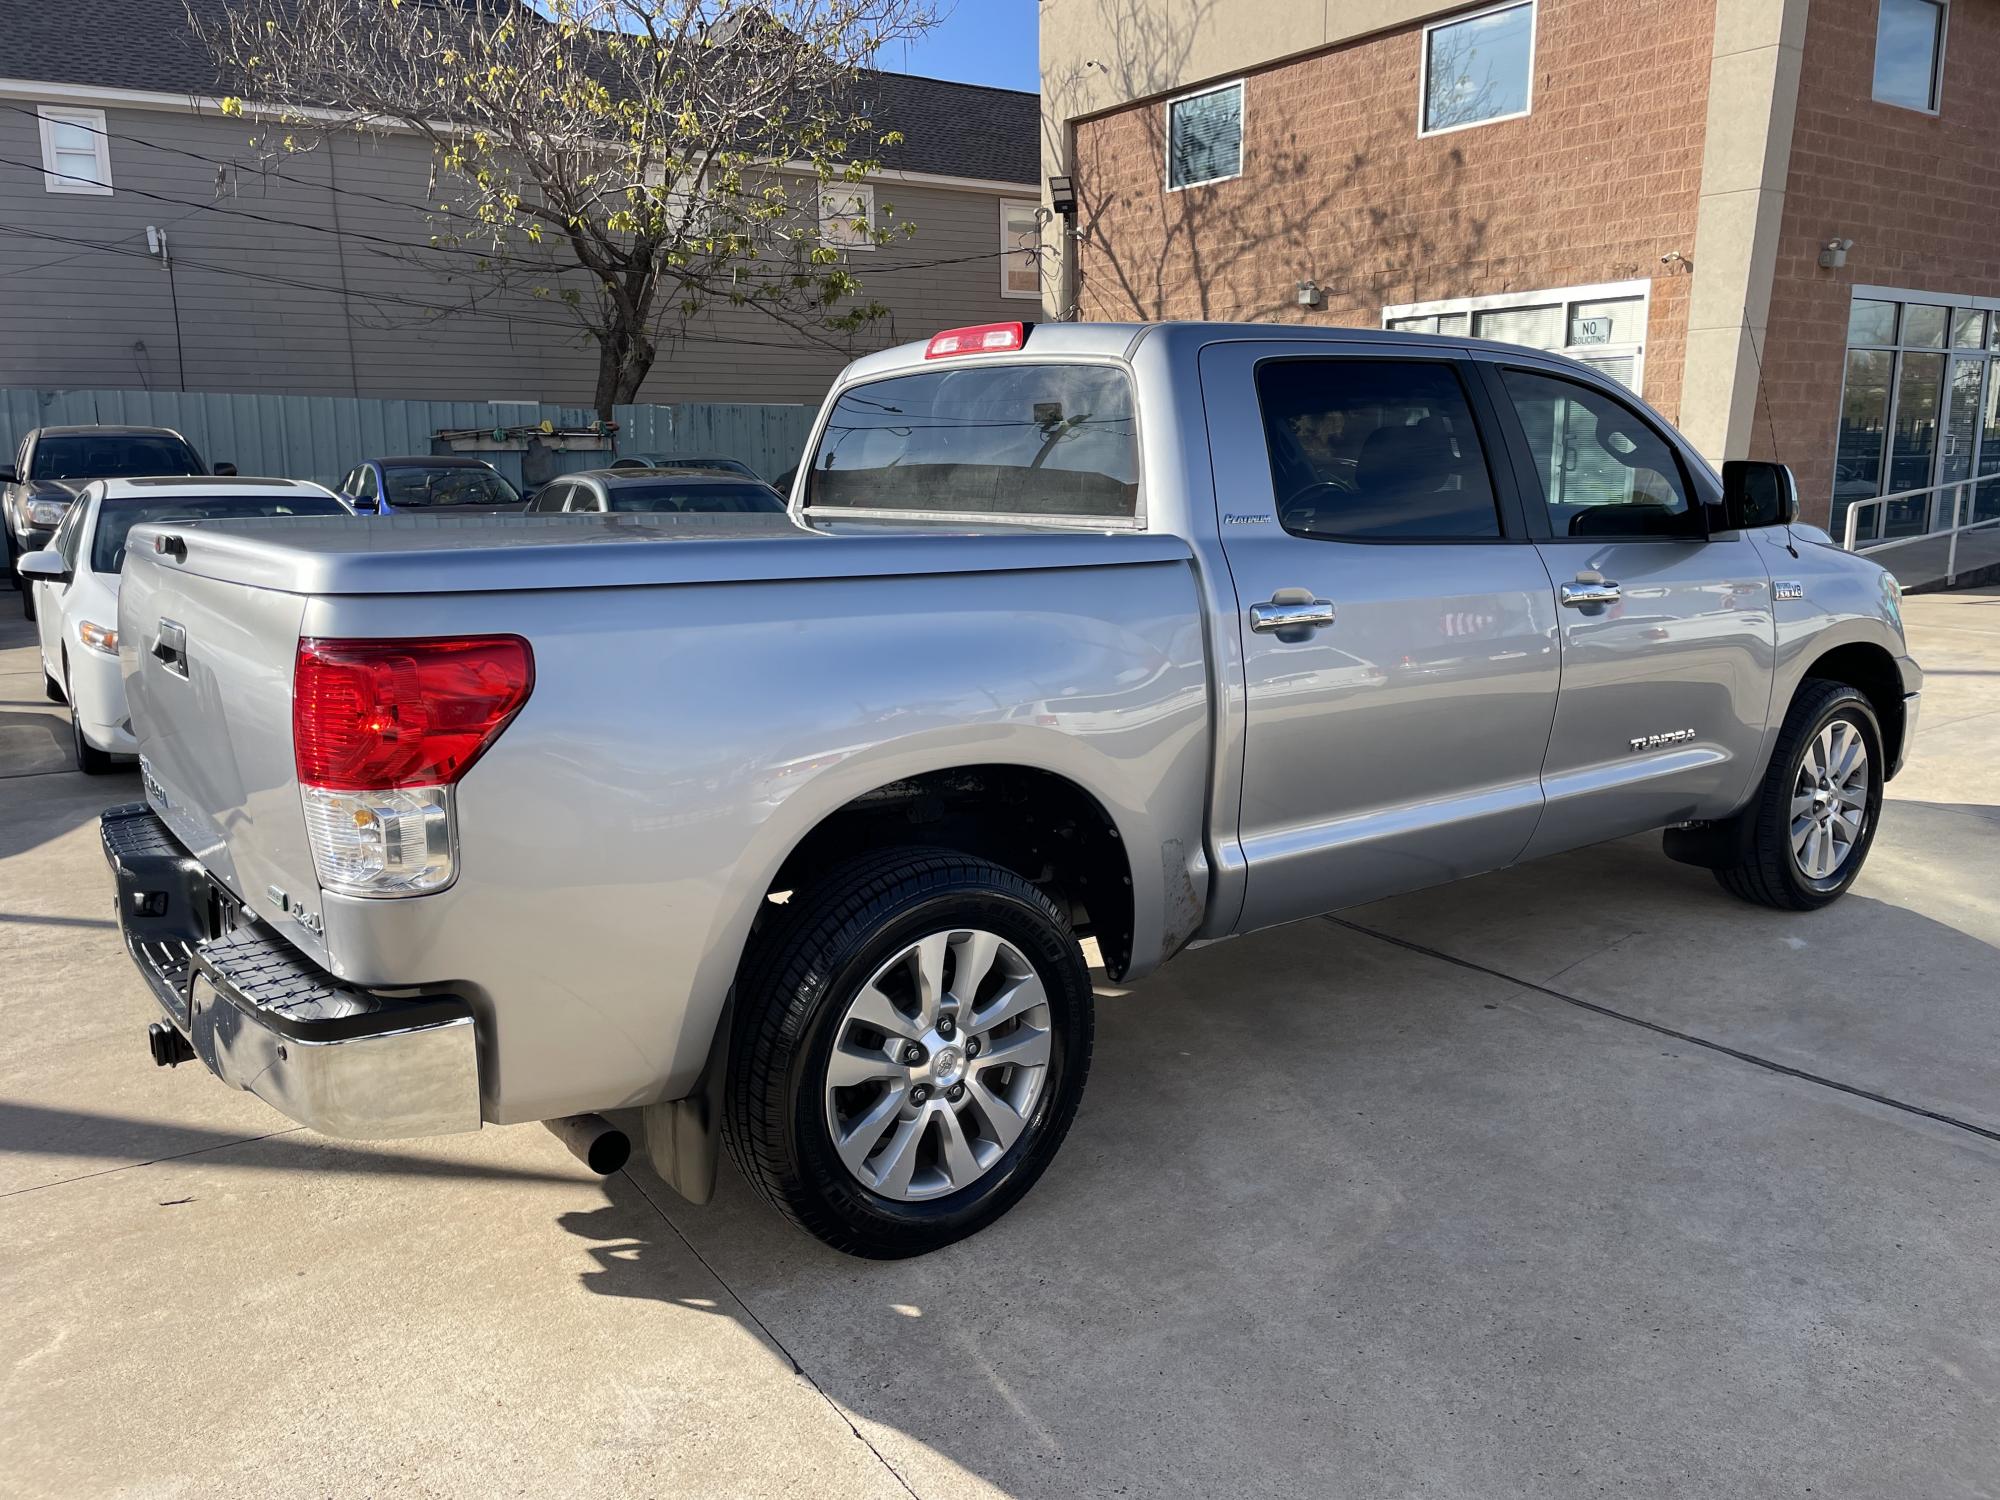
9 474
1755 494
47 566
362 507
225 469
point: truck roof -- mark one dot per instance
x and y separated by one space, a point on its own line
106 429
1121 340
166 486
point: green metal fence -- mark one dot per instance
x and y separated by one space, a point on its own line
322 437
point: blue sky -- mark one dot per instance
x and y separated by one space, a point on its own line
980 41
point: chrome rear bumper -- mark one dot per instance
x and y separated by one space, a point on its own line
345 1061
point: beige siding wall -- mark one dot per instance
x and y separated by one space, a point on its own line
71 314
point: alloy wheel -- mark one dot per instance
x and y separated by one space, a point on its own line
1829 800
937 1064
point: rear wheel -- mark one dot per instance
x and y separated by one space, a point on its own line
912 1038
1813 822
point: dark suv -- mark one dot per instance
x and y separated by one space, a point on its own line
56 462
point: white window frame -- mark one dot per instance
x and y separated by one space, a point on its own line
92 120
834 228
1602 291
1424 67
1242 126
1937 64
1008 249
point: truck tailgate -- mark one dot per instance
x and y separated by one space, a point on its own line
207 664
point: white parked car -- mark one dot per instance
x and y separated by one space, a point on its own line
75 584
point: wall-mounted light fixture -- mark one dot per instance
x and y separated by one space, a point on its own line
1062 196
1310 294
1833 254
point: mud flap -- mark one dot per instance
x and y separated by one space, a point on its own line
684 1136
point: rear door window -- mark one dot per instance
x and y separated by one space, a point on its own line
1009 439
1375 450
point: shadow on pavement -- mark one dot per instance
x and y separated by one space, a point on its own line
1373 1224
33 1130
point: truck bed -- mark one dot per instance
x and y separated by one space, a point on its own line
705 692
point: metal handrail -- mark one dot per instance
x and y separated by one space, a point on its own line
1960 488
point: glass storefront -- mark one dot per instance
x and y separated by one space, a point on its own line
1919 408
1603 326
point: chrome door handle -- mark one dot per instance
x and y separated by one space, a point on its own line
1290 614
170 647
1581 595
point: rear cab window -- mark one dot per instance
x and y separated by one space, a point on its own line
1015 439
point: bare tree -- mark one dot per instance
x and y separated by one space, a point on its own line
639 162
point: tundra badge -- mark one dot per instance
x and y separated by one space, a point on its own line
1655 741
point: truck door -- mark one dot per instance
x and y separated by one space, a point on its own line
1397 627
1668 636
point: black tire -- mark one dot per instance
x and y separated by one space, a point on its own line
1764 869
52 689
791 995
89 759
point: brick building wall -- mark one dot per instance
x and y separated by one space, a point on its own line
1918 194
1596 184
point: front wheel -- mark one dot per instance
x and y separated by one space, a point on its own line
89 759
1813 822
912 1038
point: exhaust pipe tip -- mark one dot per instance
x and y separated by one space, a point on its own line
594 1141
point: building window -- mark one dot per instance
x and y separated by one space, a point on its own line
1909 53
1205 137
76 151
1919 413
847 215
1478 68
1020 248
1600 326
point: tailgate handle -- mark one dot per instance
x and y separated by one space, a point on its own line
171 648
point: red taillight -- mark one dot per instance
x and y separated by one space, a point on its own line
370 715
987 338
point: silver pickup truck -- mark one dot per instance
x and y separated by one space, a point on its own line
792 831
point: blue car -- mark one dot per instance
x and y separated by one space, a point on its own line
431 484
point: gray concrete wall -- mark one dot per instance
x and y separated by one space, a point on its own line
70 314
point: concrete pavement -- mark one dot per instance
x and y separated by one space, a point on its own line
1455 1195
